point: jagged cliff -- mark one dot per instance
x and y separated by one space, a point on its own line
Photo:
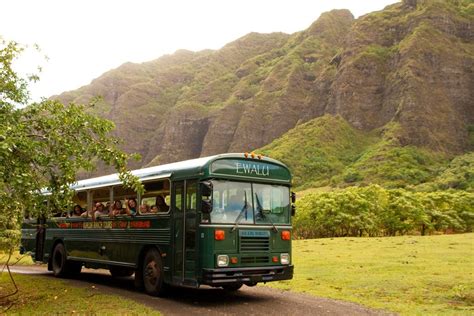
410 65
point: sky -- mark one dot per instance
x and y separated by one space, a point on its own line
82 39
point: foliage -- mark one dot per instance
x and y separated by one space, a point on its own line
459 174
407 275
16 258
319 149
376 211
393 166
328 151
42 146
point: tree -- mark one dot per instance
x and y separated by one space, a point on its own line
42 147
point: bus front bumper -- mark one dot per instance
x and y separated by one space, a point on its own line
216 277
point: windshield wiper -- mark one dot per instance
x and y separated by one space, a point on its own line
240 216
262 215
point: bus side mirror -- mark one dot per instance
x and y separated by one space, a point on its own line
293 210
206 206
293 197
206 188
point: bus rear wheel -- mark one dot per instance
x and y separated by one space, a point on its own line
152 272
61 266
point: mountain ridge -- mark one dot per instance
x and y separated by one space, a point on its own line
409 65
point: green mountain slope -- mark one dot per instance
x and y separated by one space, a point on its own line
327 151
319 149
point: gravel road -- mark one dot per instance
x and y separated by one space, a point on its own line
256 300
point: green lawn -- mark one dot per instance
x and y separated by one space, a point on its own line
412 275
46 296
16 258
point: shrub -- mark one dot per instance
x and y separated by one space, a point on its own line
376 211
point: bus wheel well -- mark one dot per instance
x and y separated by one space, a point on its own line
143 252
50 262
141 258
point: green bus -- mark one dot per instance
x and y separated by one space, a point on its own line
226 223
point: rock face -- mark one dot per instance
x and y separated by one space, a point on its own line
410 63
418 73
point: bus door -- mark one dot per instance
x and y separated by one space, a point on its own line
40 238
190 218
184 232
177 204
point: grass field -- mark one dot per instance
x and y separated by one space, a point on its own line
46 296
16 258
412 275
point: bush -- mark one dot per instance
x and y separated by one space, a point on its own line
375 211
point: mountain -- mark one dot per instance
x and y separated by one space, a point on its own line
390 84
328 151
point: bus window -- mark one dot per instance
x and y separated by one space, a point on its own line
157 196
272 203
179 198
191 192
234 202
102 194
121 193
190 218
80 198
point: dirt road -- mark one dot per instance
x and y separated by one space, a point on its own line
210 301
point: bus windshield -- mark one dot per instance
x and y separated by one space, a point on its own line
249 203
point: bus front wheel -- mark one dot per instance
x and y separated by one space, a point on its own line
152 272
61 266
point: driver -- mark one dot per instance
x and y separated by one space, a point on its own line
236 206
236 202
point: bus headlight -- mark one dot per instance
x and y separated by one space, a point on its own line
222 260
284 258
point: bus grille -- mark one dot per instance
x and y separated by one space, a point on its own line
254 244
248 260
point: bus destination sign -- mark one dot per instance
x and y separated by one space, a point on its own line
250 168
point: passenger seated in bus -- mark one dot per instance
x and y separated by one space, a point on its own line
100 210
131 207
236 207
161 204
77 211
144 209
59 214
154 209
236 202
116 209
89 213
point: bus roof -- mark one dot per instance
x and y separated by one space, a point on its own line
192 167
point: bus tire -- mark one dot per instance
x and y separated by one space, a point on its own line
118 272
152 272
61 266
59 261
232 287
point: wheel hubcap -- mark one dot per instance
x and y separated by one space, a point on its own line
152 272
58 260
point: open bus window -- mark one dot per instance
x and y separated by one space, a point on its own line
156 198
79 202
155 204
121 193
